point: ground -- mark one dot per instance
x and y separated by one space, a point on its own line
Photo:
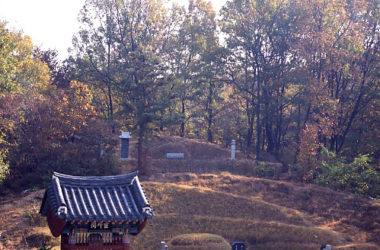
198 241
264 213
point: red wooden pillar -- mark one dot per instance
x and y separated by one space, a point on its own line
64 242
126 241
56 224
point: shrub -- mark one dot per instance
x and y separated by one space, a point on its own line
4 168
35 219
297 172
358 176
264 171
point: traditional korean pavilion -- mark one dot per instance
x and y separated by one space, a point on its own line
95 212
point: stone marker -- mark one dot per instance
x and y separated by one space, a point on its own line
163 246
238 245
326 247
233 149
124 152
175 155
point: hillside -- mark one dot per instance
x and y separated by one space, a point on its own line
272 213
199 157
293 84
264 213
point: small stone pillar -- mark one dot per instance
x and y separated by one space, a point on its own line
326 247
164 246
124 152
233 149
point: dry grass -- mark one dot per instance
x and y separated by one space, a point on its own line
361 246
265 214
194 201
182 209
252 232
200 157
198 241
22 227
192 148
328 209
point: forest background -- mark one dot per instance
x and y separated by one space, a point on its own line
295 79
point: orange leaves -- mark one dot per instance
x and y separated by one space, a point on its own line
309 145
319 128
74 107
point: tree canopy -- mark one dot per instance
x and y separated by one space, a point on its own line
295 79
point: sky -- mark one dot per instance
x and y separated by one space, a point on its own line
51 23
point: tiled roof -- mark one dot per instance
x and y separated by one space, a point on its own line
107 198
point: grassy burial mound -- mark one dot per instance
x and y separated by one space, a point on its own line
193 149
198 241
199 157
341 212
189 207
182 209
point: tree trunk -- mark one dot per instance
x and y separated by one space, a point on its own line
355 110
209 130
268 130
249 106
251 121
182 128
140 146
110 114
258 124
279 130
299 129
209 112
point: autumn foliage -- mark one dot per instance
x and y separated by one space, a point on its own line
289 79
59 133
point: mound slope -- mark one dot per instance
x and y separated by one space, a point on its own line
198 242
191 206
183 209
264 213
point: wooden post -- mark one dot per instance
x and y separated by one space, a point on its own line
64 241
72 238
126 241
